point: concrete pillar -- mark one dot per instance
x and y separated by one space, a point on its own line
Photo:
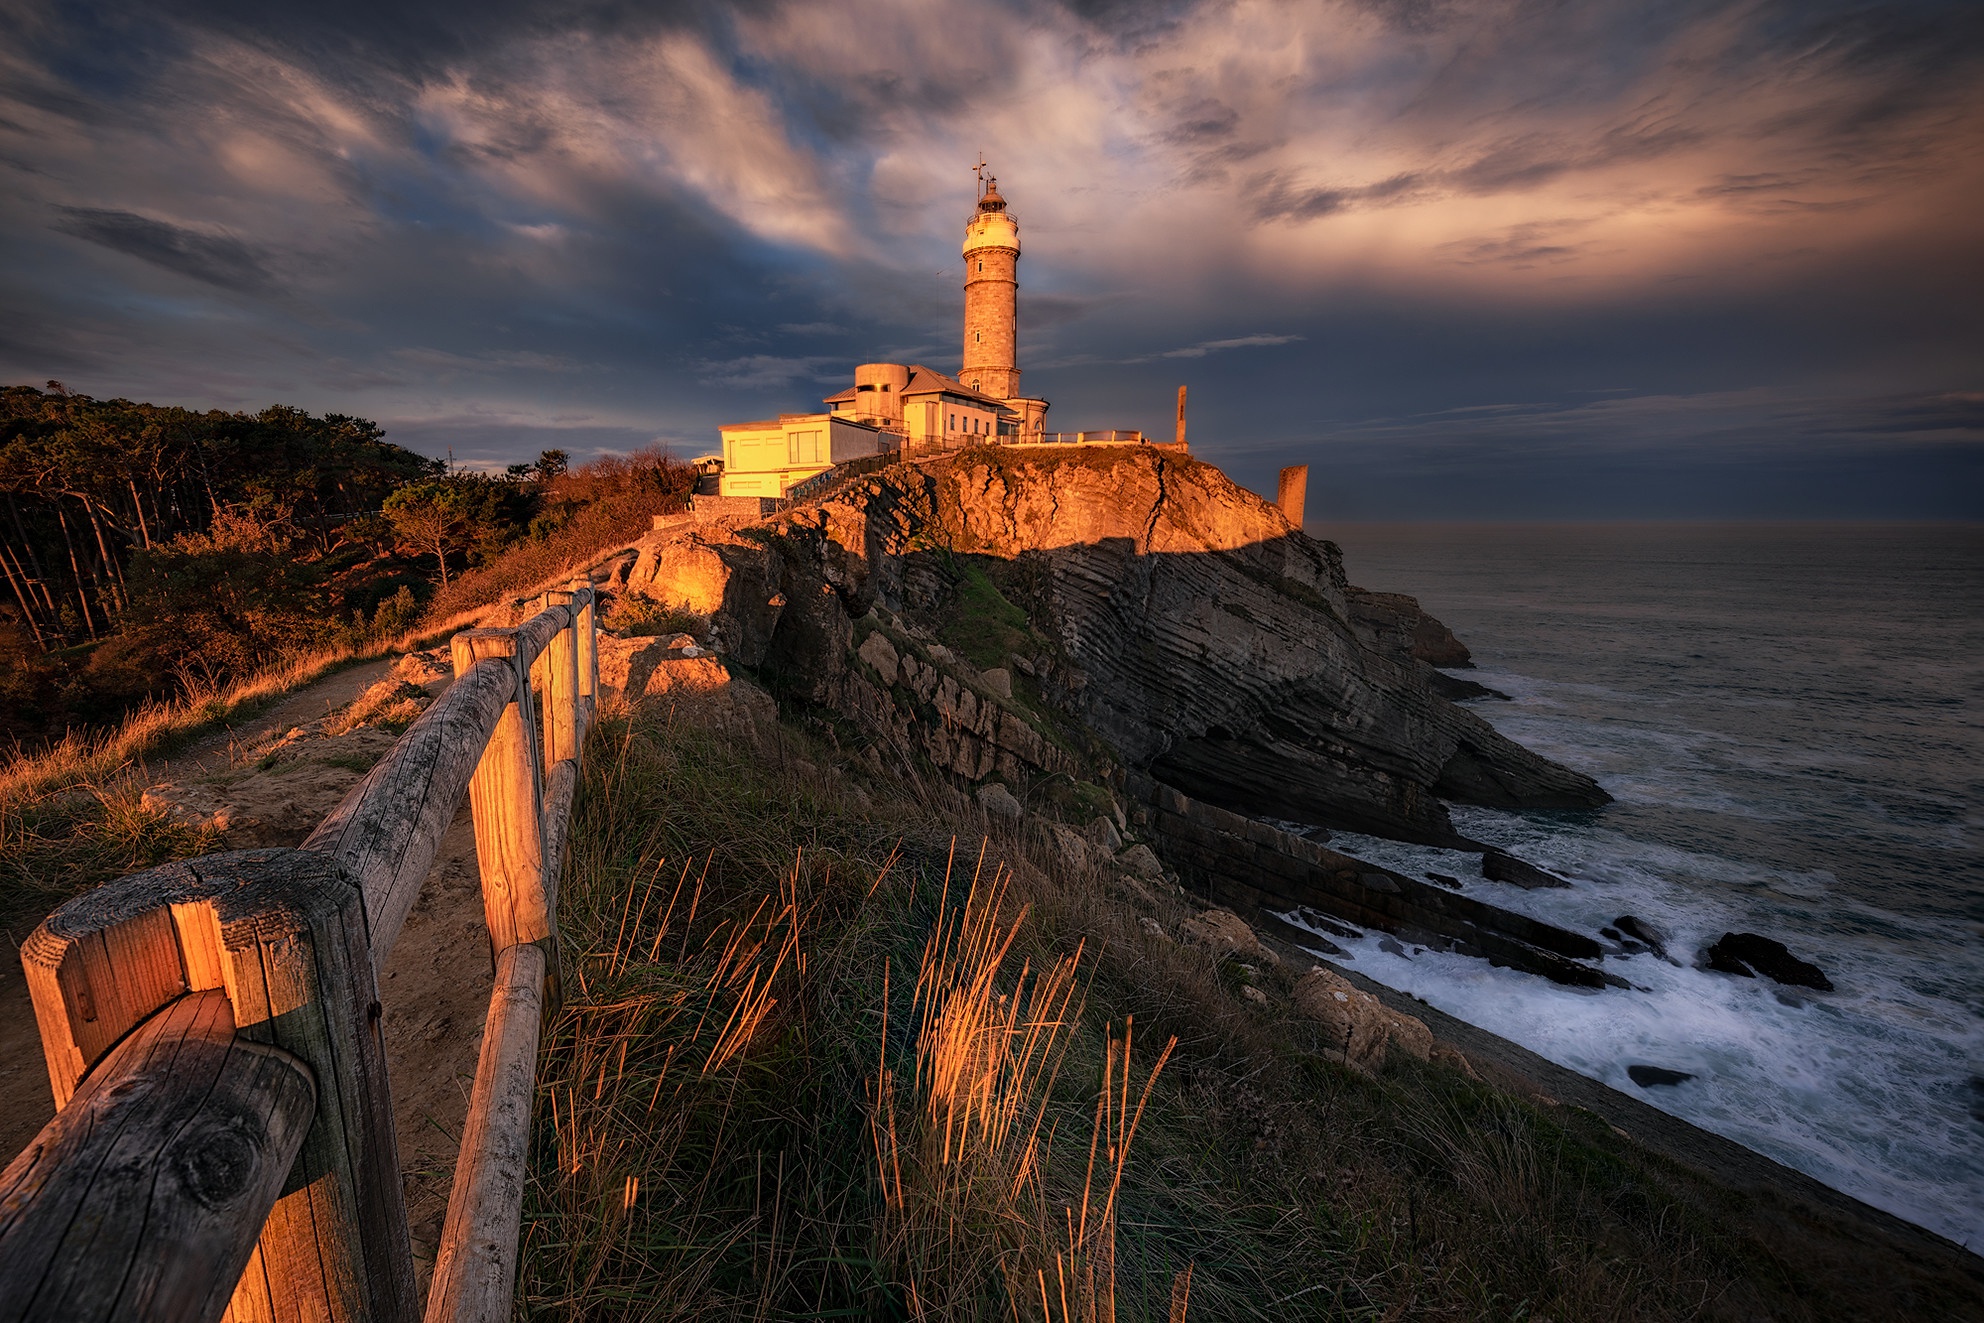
1180 438
1292 492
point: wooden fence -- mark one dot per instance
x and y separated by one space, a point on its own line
223 1144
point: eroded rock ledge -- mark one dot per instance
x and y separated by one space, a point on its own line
1173 617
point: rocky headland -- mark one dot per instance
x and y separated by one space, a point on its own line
1149 605
1087 632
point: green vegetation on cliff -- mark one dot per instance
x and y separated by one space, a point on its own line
829 1051
152 552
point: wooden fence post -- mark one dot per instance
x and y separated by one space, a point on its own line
144 1197
475 1270
562 715
586 631
283 932
507 796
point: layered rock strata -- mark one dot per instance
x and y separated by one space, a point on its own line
1235 861
1182 622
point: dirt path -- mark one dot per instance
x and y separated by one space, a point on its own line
435 989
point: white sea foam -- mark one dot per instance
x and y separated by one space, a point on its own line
1865 1088
1787 719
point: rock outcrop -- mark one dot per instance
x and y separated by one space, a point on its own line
1357 1024
1175 617
1397 625
1748 954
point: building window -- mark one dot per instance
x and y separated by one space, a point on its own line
981 266
977 337
954 422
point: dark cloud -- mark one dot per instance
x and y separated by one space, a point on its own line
1276 198
216 259
1472 257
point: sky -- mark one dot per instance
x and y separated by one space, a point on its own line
1507 259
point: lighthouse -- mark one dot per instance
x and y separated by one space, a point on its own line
991 307
991 297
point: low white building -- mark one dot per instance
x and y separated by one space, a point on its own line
766 458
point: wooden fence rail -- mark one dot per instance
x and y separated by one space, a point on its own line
223 1144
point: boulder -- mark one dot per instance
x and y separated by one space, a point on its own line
1446 1054
998 801
1409 1034
1748 954
1074 849
1103 834
1222 932
642 667
432 670
879 653
1354 1023
1446 880
1643 932
999 681
1140 860
1653 1077
1254 995
1499 867
709 571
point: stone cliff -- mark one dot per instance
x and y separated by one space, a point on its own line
1146 602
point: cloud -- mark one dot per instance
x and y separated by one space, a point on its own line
1204 347
214 258
770 372
488 361
599 208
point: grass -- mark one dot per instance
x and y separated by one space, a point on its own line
832 1052
647 618
980 623
72 815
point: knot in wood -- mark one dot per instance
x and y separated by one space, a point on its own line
216 1163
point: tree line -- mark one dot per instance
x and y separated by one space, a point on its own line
149 549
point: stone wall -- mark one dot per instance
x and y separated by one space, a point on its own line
749 509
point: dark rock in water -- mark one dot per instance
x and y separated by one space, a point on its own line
1390 947
1742 953
1444 880
1612 933
1719 960
1499 867
1456 690
1977 1098
1648 1077
1642 931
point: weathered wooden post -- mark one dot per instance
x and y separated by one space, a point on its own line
144 1197
506 794
283 933
561 684
587 631
475 1270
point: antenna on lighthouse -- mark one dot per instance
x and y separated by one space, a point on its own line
979 170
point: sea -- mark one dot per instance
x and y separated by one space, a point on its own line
1788 718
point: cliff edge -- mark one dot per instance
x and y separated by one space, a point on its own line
1148 601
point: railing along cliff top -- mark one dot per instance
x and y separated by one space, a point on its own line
224 1136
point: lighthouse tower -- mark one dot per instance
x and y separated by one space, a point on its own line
991 297
991 312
